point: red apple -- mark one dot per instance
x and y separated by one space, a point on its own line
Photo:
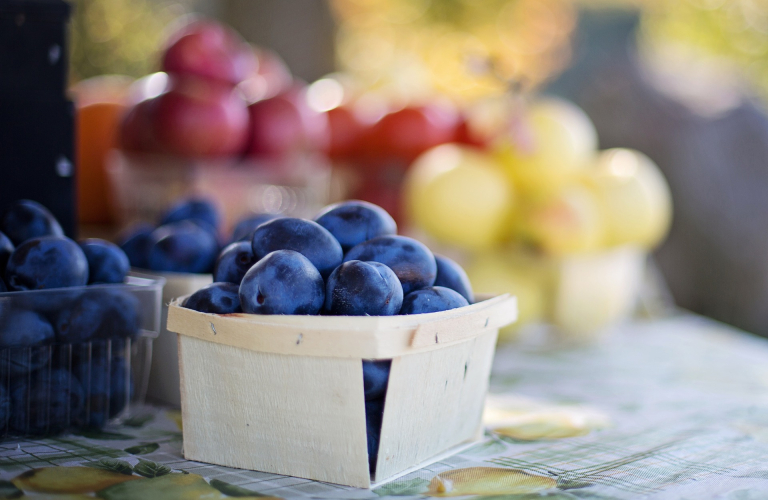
286 123
136 128
200 118
270 77
346 132
465 135
207 49
410 131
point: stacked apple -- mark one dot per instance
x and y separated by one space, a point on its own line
348 261
543 214
218 97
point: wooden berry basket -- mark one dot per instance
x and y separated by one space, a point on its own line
284 394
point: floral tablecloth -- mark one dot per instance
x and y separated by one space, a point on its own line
668 409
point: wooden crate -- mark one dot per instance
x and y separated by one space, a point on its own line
284 394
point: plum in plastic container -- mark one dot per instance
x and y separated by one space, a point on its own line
75 358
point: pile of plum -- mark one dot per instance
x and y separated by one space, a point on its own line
64 357
348 261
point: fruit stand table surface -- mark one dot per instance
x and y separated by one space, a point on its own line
666 409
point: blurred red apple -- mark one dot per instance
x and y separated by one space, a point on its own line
286 123
207 49
346 132
270 77
200 118
136 128
464 134
410 131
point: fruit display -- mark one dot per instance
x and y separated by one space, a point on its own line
70 321
218 97
541 213
349 261
220 117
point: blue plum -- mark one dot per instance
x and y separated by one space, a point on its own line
6 249
120 386
411 260
28 219
374 414
233 262
216 298
5 407
358 288
46 262
353 222
244 229
451 275
20 328
375 378
283 282
195 209
105 379
183 247
107 262
48 303
308 238
26 336
103 313
46 402
433 299
136 243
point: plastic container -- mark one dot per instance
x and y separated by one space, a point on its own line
145 185
284 394
48 389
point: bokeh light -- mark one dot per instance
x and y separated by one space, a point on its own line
459 48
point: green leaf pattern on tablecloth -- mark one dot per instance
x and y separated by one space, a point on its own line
111 465
232 490
150 469
142 449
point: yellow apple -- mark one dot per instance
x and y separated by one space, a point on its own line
459 196
568 222
634 197
547 143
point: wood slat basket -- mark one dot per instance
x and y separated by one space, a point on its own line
284 394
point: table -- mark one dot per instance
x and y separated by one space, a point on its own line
667 409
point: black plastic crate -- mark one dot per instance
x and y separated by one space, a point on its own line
37 155
33 48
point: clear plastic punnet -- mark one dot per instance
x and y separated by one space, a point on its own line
75 358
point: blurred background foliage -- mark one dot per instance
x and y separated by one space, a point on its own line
448 45
733 30
118 36
415 47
